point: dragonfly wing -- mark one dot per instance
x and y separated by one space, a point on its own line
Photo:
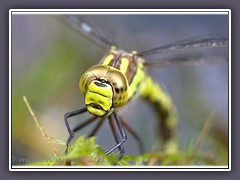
196 59
190 43
87 30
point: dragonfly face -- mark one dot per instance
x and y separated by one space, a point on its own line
98 97
101 86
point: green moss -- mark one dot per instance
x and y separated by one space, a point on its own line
85 152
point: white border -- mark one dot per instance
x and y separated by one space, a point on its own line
10 90
120 168
118 11
229 91
122 11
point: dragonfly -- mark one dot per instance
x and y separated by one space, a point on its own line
121 76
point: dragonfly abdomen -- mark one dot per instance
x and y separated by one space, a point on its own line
162 103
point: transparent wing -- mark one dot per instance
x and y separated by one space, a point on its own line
199 42
190 43
88 30
197 59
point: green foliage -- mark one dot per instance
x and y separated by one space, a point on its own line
85 152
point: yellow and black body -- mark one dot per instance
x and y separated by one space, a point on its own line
120 77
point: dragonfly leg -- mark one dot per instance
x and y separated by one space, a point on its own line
79 127
71 132
122 132
133 133
116 137
99 124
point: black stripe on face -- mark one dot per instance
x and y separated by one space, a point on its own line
99 84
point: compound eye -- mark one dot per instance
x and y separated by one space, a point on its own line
120 86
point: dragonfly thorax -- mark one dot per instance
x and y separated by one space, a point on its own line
104 88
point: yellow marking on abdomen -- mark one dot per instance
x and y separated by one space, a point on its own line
166 110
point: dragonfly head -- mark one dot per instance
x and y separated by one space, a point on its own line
104 88
98 97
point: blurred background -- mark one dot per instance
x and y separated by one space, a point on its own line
49 57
